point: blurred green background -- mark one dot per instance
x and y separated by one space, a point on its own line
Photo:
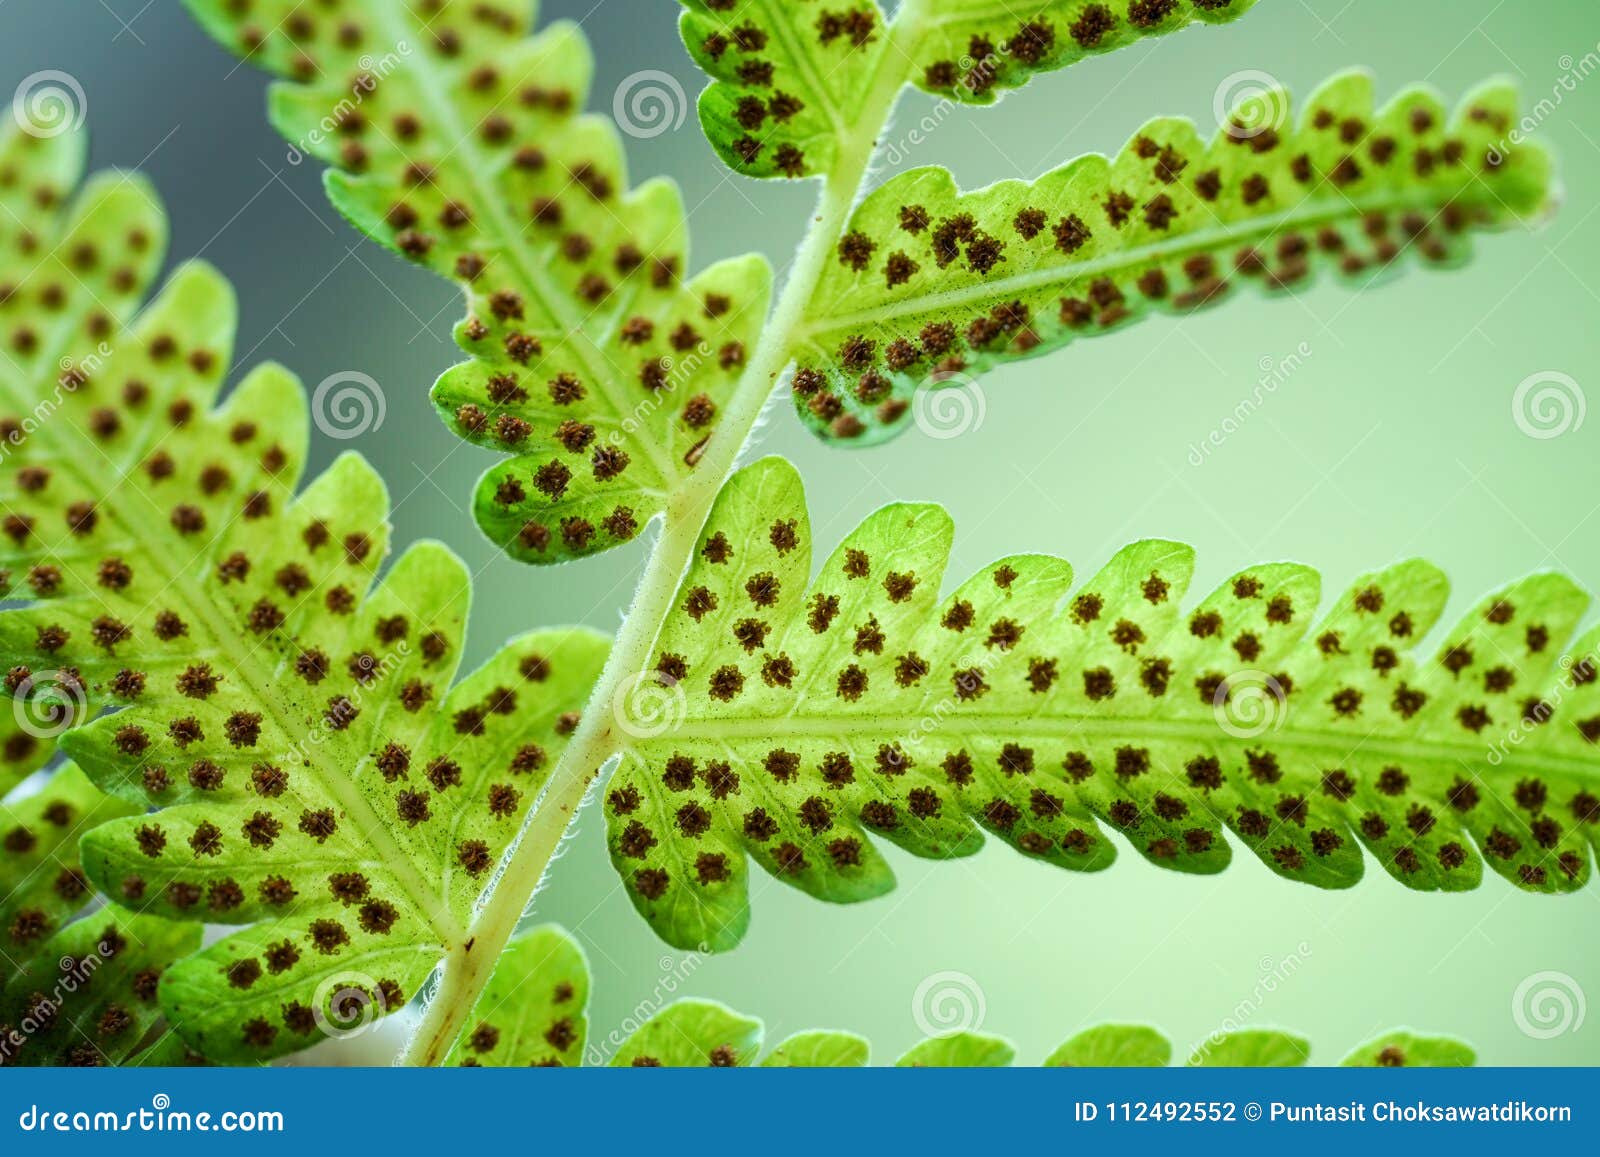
1395 437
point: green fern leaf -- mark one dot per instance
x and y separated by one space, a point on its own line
532 1012
787 78
91 998
1254 1048
692 1033
1113 1046
1402 1048
1135 1046
168 1052
935 286
42 885
805 713
961 1050
597 369
321 781
818 1049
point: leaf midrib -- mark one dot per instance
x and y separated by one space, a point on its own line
1307 214
774 728
443 107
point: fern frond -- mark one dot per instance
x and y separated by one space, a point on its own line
320 780
935 286
788 79
599 368
91 998
42 885
805 713
533 1012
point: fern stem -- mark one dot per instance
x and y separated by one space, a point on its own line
468 968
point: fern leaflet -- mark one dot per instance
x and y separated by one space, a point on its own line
533 1012
1136 1046
807 713
933 285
